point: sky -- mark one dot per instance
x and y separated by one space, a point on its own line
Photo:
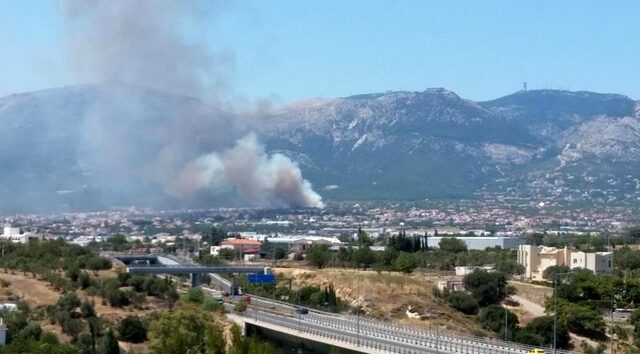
285 50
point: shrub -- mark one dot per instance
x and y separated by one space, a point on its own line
194 295
132 330
463 302
405 263
493 318
539 332
240 306
486 287
452 244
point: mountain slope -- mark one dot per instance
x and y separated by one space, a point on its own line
435 144
96 146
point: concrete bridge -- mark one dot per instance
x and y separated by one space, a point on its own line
164 264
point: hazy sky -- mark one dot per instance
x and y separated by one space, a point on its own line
284 50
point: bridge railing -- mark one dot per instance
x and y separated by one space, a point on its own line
384 343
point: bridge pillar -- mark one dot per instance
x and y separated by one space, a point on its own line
196 279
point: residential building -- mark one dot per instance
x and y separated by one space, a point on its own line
13 234
243 245
598 262
536 259
450 285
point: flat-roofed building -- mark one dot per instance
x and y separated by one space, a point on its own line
536 259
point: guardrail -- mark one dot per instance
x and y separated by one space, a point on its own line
363 344
182 269
401 335
409 334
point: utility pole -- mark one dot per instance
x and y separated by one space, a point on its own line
555 308
358 313
506 328
611 319
506 319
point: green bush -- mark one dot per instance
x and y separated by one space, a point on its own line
405 263
493 318
132 330
194 295
539 332
452 245
486 287
462 302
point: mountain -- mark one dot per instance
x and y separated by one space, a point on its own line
90 147
96 146
434 144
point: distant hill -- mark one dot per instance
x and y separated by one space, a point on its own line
575 146
434 144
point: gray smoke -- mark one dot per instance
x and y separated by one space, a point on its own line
267 180
182 147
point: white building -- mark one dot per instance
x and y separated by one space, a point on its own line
480 242
536 259
13 234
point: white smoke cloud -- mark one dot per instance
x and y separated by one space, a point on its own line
186 153
260 179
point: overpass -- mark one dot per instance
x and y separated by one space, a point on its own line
164 264
366 335
361 333
351 332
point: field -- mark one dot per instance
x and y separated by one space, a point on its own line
38 294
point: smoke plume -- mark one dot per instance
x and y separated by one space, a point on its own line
182 147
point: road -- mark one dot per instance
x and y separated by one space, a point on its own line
372 333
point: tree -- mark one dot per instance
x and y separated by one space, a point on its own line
87 310
405 263
550 272
98 263
227 253
118 243
452 244
318 255
238 344
214 339
177 332
539 332
216 236
463 302
194 295
581 319
486 287
132 330
363 238
364 256
68 302
110 344
279 253
493 318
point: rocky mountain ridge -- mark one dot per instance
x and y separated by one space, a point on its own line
540 144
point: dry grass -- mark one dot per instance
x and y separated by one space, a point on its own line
388 295
34 292
532 292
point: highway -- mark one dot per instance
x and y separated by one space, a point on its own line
358 333
370 332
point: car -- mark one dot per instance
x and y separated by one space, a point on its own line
535 351
302 310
